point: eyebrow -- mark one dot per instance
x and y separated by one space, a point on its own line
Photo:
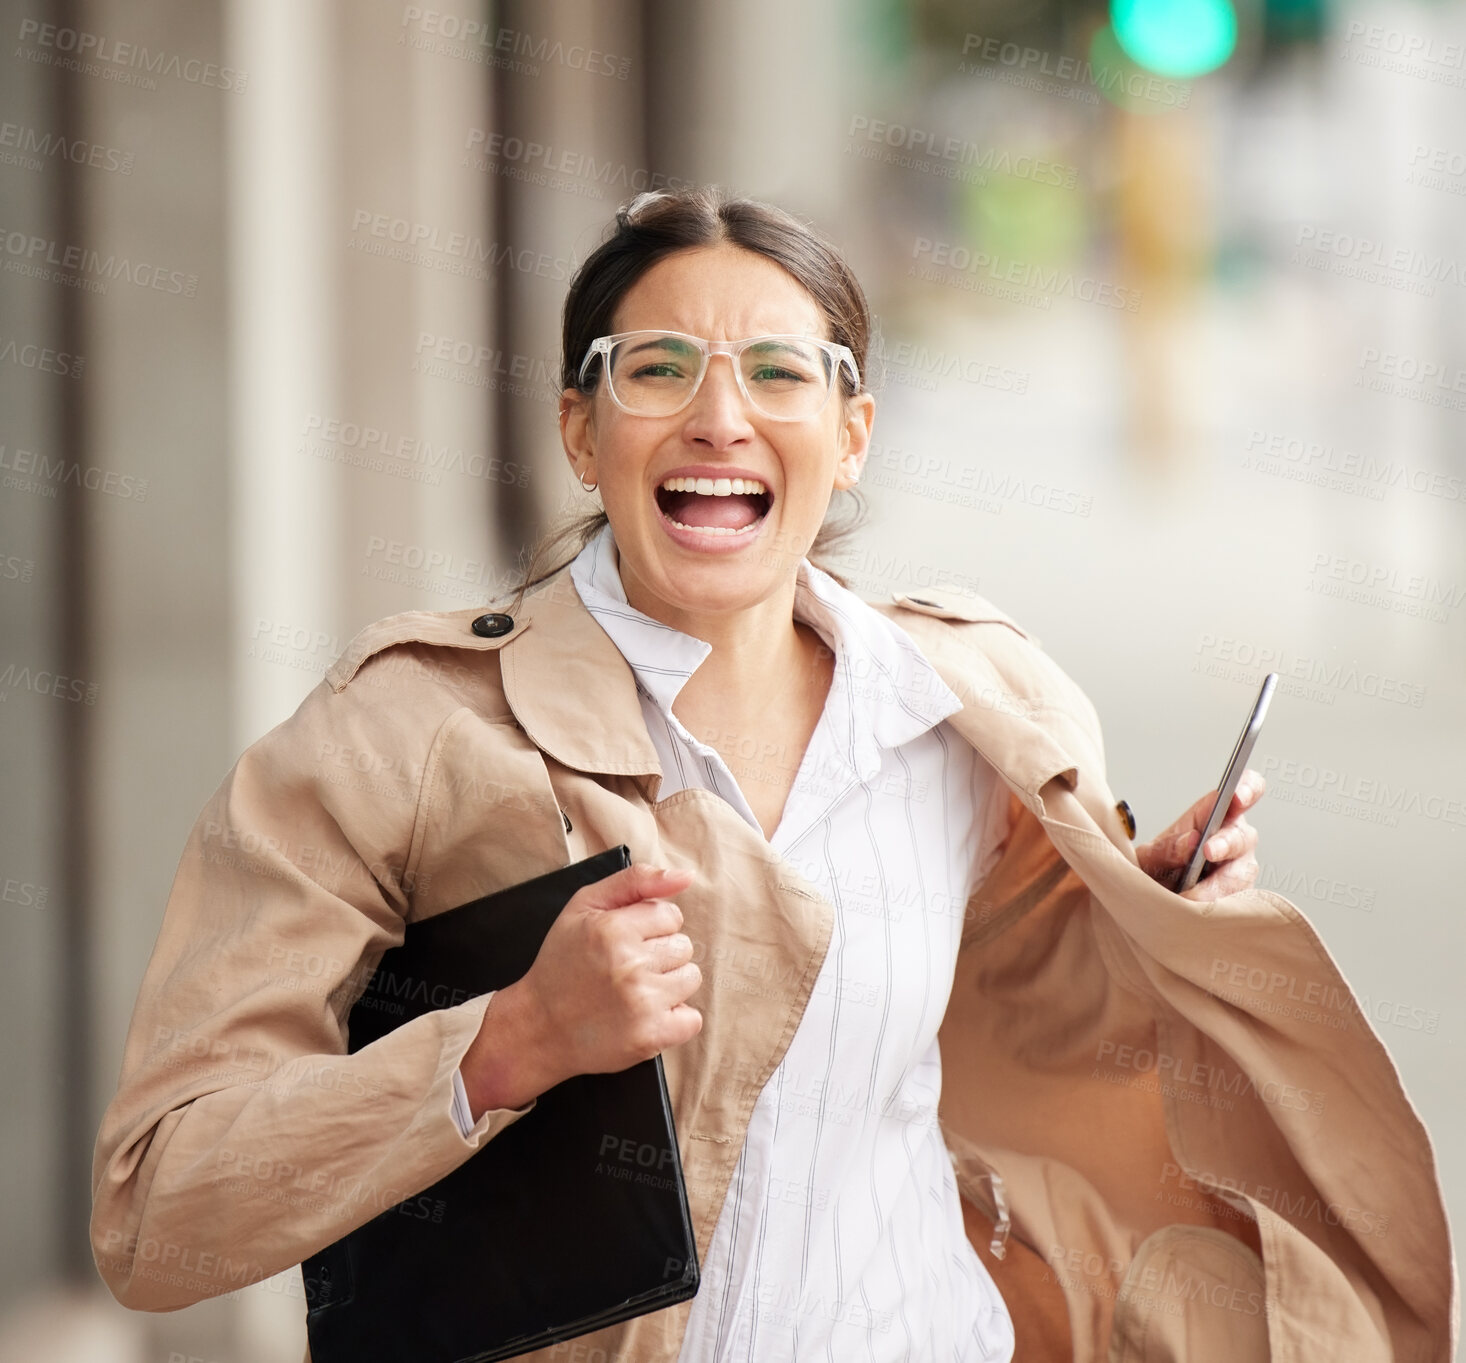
663 342
774 340
776 343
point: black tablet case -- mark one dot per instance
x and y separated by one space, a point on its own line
570 1219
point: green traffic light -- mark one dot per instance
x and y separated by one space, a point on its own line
1180 38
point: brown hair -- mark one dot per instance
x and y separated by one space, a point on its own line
658 224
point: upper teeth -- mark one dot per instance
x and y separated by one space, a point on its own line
714 487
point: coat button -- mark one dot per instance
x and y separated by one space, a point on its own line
492 625
1126 818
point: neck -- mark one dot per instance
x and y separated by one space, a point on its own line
757 653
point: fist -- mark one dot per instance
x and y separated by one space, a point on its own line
1231 848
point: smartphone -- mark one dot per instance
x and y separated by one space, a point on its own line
1198 866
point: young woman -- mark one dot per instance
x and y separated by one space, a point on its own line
950 1063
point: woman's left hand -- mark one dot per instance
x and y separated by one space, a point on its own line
1230 849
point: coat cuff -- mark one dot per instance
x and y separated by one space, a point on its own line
493 1120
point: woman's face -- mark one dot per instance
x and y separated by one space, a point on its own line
723 293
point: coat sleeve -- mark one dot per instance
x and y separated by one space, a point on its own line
242 1138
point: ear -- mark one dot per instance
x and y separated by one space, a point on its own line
577 431
859 419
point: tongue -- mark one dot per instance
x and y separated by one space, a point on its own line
732 512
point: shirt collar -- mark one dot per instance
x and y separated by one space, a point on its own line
884 691
662 658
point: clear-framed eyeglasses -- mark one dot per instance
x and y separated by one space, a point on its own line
657 373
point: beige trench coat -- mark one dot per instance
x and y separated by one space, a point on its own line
1172 1119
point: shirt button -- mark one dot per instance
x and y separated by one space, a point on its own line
492 625
1126 818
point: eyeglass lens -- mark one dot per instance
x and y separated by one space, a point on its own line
654 375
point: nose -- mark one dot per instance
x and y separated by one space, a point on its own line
718 414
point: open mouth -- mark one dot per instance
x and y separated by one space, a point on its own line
714 506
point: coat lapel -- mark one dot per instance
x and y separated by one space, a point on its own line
560 663
560 668
1022 740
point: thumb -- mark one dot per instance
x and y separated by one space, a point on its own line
639 881
1184 845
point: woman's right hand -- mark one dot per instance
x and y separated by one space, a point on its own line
607 989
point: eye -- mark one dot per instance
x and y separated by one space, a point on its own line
658 369
775 373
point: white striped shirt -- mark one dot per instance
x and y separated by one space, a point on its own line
841 1236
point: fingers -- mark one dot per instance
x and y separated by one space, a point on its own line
1231 848
1234 836
685 1023
1228 878
1182 846
636 883
649 926
669 957
670 952
1233 839
675 986
1249 791
1168 853
685 979
650 921
1162 856
634 898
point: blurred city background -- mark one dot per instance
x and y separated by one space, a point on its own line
1171 367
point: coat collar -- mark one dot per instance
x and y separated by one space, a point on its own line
883 692
557 657
1020 725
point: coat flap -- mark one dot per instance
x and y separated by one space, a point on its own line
1019 710
448 629
1277 1087
951 606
